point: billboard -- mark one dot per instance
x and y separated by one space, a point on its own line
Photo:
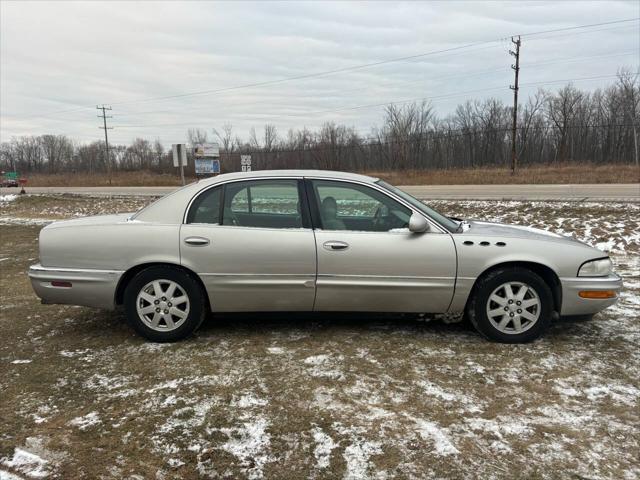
207 166
203 150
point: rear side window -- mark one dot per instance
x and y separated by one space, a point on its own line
263 204
206 207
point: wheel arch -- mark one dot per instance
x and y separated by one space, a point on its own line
129 274
546 273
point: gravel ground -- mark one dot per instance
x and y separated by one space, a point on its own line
308 396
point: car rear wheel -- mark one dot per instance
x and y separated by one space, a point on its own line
511 305
164 304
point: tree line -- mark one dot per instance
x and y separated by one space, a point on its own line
566 126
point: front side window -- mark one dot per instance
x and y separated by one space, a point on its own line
446 222
348 206
262 203
206 207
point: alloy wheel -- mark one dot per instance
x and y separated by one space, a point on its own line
513 307
163 305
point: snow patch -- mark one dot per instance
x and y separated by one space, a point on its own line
357 456
440 437
250 443
28 464
87 421
275 350
249 400
323 448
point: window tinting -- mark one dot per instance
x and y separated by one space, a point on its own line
263 203
349 206
206 207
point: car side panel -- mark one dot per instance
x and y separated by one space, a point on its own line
474 258
109 247
92 257
385 271
253 269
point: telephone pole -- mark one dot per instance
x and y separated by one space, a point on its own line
514 87
104 117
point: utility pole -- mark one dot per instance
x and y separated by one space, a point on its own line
104 117
516 69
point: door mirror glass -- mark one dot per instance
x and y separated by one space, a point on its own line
418 224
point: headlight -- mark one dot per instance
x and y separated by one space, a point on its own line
596 268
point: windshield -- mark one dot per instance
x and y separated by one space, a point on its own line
430 212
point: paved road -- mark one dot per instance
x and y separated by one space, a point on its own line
595 192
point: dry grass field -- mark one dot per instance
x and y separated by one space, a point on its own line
540 174
308 396
543 174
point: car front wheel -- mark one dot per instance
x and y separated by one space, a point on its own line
511 305
164 304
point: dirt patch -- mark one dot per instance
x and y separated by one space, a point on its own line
317 396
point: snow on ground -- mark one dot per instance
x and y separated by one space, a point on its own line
8 198
333 396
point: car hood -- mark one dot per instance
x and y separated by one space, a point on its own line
477 227
94 220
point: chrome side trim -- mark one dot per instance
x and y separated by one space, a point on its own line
40 268
399 277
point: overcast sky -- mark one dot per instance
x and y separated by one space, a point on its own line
58 60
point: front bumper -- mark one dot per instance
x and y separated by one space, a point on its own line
89 287
573 304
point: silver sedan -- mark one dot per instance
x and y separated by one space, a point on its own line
306 240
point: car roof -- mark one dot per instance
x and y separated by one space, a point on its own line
256 174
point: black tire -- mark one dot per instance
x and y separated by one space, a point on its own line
197 304
477 305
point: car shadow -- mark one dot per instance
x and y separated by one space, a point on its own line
363 321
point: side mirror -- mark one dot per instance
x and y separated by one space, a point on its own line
418 224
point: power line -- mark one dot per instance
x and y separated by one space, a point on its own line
362 66
448 77
351 68
402 102
570 59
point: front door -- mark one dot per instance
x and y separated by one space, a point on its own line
252 245
368 260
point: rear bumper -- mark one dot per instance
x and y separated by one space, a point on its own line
91 288
573 304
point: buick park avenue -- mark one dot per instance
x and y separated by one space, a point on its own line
303 240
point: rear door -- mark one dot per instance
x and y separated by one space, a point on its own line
368 260
252 244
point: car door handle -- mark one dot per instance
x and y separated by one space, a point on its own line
335 245
196 241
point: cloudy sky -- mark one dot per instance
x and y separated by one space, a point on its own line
168 66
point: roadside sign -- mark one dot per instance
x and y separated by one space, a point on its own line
246 168
204 150
207 166
179 154
245 159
